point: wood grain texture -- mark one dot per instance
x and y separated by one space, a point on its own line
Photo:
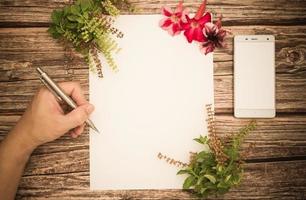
285 139
274 180
275 167
24 49
247 12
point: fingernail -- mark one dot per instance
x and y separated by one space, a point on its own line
90 108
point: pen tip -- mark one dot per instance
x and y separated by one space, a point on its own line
95 128
91 125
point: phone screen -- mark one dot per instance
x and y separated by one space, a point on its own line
254 76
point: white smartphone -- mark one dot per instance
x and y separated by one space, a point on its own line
254 76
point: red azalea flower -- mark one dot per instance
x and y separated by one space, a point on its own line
193 28
173 20
214 35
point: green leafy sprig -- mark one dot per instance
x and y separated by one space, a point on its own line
217 168
87 25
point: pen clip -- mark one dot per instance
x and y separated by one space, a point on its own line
50 89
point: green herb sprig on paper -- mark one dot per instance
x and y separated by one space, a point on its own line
217 168
88 26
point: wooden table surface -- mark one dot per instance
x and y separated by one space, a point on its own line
275 167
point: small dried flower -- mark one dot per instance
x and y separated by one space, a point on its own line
214 142
171 161
95 56
214 37
172 21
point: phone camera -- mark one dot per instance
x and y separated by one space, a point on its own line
268 38
246 38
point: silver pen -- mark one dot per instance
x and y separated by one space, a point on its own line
60 94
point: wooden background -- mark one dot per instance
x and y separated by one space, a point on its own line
276 166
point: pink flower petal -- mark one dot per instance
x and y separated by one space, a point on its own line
165 23
219 22
185 24
179 7
206 18
207 47
221 34
166 11
170 30
201 10
210 29
205 38
184 16
176 29
198 35
189 34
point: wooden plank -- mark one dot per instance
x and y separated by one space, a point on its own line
21 50
25 47
275 180
279 138
290 95
247 12
60 169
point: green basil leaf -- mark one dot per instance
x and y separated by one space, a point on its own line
223 185
86 4
228 178
197 140
59 30
80 20
73 18
202 191
210 178
71 25
200 180
56 16
74 9
182 171
66 10
220 168
86 15
52 30
190 181
204 139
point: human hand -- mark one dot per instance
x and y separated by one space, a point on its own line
44 120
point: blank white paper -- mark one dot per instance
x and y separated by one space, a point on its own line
154 103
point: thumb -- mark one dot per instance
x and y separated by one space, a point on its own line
78 116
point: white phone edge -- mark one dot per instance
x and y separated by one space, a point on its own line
253 113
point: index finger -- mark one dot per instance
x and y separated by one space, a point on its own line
75 91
